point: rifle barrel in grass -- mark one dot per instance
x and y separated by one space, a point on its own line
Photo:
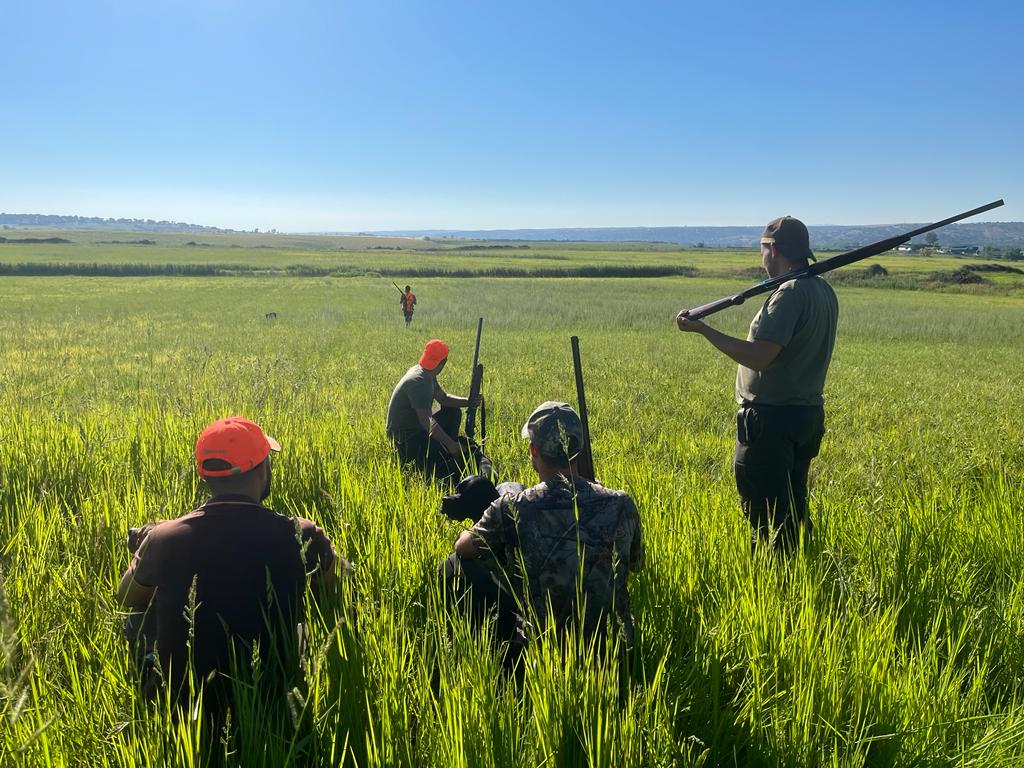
476 382
585 461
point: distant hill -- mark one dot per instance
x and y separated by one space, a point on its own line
837 237
823 238
44 221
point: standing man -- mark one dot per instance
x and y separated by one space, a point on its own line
564 540
779 382
408 302
226 578
428 438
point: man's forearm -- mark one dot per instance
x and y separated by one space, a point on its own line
124 584
131 594
438 433
750 354
466 546
429 425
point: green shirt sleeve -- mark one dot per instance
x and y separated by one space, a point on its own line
422 394
778 318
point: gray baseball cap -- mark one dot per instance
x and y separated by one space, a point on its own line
555 428
790 237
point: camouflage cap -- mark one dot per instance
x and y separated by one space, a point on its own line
555 428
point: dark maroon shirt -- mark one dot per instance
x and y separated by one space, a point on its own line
249 566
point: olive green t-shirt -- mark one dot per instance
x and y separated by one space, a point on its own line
801 316
416 390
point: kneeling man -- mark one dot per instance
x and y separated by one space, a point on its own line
563 540
430 439
227 578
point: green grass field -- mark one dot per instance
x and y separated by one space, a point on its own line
241 254
898 639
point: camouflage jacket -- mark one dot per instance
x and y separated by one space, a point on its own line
552 555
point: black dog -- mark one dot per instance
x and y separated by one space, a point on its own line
472 496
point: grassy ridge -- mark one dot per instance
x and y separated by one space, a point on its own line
898 640
36 269
240 254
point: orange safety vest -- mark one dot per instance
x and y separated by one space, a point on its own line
408 300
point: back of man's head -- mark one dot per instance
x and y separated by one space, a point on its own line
239 484
230 455
556 431
790 237
435 352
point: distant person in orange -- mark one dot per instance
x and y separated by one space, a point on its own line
408 302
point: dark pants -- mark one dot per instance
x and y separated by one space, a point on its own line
218 692
483 593
774 448
408 318
433 459
428 454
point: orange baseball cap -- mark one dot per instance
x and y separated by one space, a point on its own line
236 442
433 353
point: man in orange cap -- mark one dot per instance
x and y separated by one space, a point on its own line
427 438
228 576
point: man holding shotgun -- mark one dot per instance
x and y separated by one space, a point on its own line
781 374
782 367
407 301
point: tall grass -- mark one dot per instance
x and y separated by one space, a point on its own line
898 638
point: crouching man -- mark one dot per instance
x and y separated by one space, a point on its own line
227 578
427 438
535 554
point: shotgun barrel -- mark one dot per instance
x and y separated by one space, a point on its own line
476 382
827 265
585 460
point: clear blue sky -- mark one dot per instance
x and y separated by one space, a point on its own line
335 115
